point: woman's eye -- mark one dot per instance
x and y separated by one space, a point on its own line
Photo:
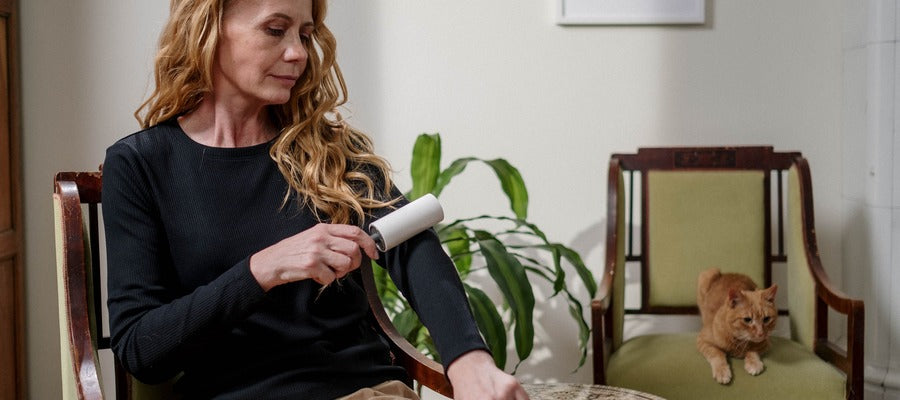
275 31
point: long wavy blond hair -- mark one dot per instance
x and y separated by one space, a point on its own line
327 163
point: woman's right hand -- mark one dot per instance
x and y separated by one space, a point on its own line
322 253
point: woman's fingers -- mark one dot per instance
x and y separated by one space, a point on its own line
355 234
342 255
322 253
325 276
475 377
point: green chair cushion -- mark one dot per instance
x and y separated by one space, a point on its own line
670 366
698 220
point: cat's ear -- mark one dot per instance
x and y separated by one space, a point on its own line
734 297
769 294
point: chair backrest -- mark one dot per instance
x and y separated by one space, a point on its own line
699 208
76 199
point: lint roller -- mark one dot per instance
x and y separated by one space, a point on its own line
405 222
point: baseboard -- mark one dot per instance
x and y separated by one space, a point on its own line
892 380
886 378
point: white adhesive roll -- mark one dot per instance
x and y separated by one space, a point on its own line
405 222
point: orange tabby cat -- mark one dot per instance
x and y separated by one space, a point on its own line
737 320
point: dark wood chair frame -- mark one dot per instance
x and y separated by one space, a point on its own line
776 164
79 189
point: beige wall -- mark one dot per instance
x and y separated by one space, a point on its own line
497 79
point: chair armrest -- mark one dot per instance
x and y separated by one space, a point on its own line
601 323
419 367
71 251
601 306
828 296
601 312
850 360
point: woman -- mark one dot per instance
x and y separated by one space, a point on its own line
232 217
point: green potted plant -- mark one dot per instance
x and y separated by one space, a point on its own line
511 256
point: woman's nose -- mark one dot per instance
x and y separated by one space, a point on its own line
295 51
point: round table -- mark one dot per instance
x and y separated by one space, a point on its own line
579 391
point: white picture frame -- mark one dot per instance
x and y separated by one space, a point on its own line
630 12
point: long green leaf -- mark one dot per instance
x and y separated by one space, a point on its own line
513 185
586 276
455 168
407 323
573 258
510 181
584 331
489 323
560 282
425 165
559 275
539 272
510 277
426 344
380 276
457 240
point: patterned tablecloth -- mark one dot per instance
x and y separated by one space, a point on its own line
576 391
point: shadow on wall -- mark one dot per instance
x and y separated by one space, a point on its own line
557 337
858 246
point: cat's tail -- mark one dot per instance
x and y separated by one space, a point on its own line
704 281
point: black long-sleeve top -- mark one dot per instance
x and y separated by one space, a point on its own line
182 221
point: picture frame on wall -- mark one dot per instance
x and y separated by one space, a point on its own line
631 12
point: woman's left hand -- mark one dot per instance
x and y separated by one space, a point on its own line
475 377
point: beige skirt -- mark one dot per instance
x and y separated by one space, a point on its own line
390 390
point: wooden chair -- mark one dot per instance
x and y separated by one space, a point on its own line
76 201
689 209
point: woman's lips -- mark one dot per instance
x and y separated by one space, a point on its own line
286 79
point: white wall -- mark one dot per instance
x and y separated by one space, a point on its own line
497 79
870 194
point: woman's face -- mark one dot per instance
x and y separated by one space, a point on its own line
261 50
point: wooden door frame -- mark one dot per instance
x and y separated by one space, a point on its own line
9 11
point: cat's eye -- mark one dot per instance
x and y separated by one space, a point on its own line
766 320
748 320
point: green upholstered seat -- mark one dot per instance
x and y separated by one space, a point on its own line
670 366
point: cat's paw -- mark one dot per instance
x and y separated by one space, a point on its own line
722 374
753 365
